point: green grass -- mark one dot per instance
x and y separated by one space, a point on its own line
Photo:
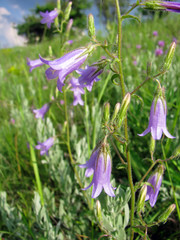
65 213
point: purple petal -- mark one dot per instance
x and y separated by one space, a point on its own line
97 189
165 131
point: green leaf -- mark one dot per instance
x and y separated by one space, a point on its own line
114 76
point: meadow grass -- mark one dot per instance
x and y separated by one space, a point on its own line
65 214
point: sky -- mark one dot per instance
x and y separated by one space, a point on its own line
12 12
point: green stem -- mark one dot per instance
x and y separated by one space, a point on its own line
129 170
69 150
36 171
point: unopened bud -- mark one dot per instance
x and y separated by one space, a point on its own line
59 5
177 152
167 213
98 209
124 108
67 11
91 27
169 57
50 51
116 111
152 146
69 26
142 197
106 112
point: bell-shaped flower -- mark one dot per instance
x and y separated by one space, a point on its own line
48 17
63 66
155 180
89 76
157 120
171 6
99 164
34 63
40 113
78 91
45 146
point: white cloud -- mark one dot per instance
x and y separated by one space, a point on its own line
4 11
8 34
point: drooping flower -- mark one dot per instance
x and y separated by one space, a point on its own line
171 6
99 164
63 66
48 17
45 146
155 179
161 43
158 52
78 91
34 63
162 5
40 113
89 76
157 120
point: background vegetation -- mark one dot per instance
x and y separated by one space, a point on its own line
65 214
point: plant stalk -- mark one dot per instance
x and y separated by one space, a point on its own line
129 170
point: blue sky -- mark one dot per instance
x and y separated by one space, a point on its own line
12 13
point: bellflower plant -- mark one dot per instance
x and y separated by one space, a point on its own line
65 65
45 146
99 164
34 63
155 180
40 113
157 120
48 17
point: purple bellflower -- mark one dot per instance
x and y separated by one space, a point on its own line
171 6
157 120
63 66
101 168
89 76
48 17
158 52
78 91
155 179
34 63
45 146
155 33
161 43
40 113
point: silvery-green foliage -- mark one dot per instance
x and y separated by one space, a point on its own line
12 218
43 221
115 213
23 116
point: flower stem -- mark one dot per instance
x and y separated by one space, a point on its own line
87 122
69 150
129 170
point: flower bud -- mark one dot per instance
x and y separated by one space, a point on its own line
142 197
152 146
167 213
67 11
116 111
124 108
69 26
59 5
50 51
98 209
169 57
106 112
91 27
176 152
